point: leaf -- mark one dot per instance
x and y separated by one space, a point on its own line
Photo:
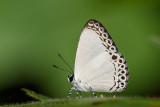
34 95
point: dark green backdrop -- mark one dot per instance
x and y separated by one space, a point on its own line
32 32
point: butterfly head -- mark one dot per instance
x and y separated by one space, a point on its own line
70 78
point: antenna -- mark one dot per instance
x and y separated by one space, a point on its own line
65 62
61 69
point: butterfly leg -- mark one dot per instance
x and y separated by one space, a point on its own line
95 94
76 92
70 92
80 94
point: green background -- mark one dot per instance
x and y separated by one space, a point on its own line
32 32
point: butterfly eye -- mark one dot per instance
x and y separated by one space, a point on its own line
113 49
90 23
104 35
109 42
96 25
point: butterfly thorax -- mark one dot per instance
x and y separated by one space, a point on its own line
81 86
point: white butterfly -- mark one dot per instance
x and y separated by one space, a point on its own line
99 67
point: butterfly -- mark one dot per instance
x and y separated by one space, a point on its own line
99 67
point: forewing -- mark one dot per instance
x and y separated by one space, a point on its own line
98 62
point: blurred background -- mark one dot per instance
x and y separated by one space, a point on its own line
33 32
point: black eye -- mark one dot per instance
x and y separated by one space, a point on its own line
71 78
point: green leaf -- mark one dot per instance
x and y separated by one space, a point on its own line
34 95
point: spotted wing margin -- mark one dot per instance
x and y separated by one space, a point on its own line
100 30
98 62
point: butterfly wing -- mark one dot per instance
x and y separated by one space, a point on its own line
98 62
